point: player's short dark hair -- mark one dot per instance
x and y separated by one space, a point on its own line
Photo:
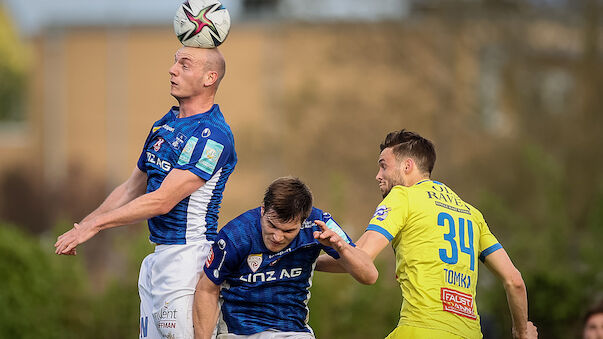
410 144
596 308
289 198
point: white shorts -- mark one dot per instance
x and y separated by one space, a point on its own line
166 286
269 335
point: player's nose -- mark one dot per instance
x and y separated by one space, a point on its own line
172 70
277 236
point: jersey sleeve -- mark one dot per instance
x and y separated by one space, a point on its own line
205 155
391 214
334 226
223 260
487 241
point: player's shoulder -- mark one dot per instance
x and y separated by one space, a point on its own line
474 211
167 117
241 228
214 120
397 194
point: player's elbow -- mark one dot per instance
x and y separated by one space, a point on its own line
370 277
159 204
514 282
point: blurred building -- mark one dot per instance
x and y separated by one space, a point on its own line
98 79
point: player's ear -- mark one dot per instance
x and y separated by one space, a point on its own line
211 78
407 165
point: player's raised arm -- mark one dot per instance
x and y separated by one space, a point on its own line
500 264
177 185
351 259
205 308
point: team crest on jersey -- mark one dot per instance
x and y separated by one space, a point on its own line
178 142
381 212
157 145
210 257
254 261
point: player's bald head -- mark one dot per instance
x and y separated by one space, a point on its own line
211 59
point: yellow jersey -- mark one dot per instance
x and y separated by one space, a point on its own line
437 239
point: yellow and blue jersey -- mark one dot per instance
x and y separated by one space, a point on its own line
437 239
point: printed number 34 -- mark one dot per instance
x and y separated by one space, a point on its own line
446 219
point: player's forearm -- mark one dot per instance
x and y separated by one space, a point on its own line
356 262
140 209
205 309
120 196
518 304
131 189
326 263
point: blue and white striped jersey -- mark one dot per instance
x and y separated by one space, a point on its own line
263 290
203 144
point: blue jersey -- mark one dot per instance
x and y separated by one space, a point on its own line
263 290
202 144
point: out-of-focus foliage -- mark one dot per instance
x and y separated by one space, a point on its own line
47 296
342 308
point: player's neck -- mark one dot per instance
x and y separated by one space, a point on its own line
192 106
414 179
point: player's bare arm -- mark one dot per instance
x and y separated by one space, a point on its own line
177 185
205 308
129 190
352 260
500 264
371 243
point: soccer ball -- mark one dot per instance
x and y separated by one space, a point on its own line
202 23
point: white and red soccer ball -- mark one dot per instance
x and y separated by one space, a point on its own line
202 23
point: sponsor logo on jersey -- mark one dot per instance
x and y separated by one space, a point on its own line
307 224
221 244
166 317
157 145
254 261
179 141
187 152
155 129
210 257
279 253
457 302
210 156
163 164
272 275
381 212
168 128
206 132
